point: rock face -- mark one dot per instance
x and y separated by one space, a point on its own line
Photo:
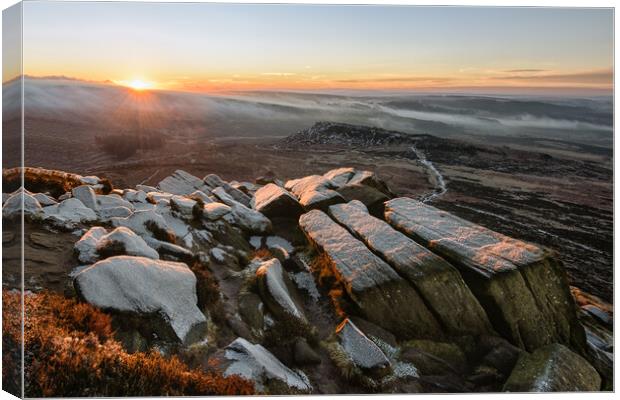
522 287
275 289
553 368
143 286
273 201
254 362
363 352
314 192
378 291
437 282
12 208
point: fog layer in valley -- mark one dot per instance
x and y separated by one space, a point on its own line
108 109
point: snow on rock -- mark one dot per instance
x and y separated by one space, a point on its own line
254 362
86 247
182 183
105 214
69 213
176 224
200 195
123 241
169 251
314 192
275 289
247 219
363 352
156 197
144 223
274 201
12 208
213 181
144 286
86 195
280 244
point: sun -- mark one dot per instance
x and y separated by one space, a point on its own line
139 85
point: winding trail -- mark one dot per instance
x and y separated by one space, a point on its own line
440 184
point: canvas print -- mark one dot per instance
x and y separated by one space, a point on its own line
287 199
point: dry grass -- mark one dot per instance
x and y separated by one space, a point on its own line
70 352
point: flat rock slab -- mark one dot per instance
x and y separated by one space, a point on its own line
274 201
521 286
144 286
182 183
553 368
363 352
382 296
256 363
438 283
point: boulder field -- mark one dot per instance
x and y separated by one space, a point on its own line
319 284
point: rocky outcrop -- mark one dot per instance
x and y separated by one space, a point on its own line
521 286
123 241
273 201
381 295
15 203
213 181
68 214
249 220
254 362
149 288
439 284
553 368
86 195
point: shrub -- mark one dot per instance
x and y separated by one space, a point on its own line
69 351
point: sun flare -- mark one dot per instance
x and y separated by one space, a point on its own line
139 85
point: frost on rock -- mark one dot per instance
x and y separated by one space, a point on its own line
182 231
314 192
144 286
183 206
105 214
256 242
254 362
113 201
274 201
214 211
86 195
246 218
305 281
218 254
213 181
44 199
200 195
273 285
134 196
86 247
182 183
363 352
123 241
12 208
280 244
69 213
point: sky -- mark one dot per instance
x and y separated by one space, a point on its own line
228 47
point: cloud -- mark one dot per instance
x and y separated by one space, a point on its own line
525 70
405 79
586 77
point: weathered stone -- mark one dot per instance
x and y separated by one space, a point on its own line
145 224
250 309
381 295
144 287
182 183
247 219
522 287
278 292
553 368
86 247
123 241
12 208
273 201
314 192
364 353
438 283
69 213
183 206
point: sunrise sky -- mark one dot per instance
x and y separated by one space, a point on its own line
221 47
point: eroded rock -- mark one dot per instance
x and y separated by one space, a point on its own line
273 201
